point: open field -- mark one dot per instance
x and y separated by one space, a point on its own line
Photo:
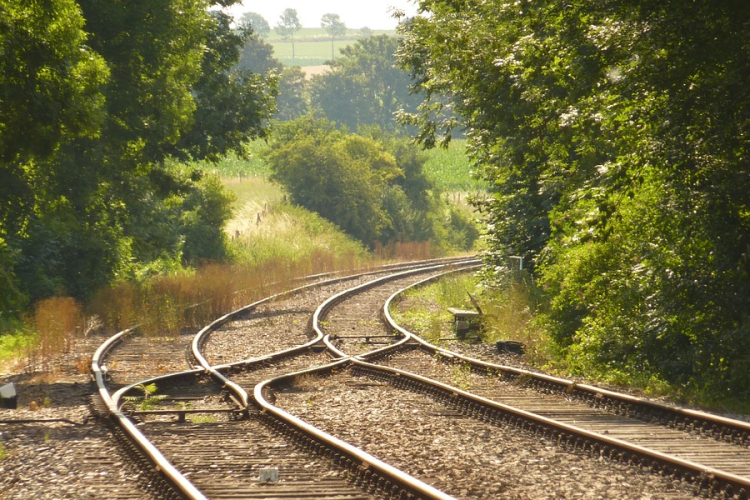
307 34
312 46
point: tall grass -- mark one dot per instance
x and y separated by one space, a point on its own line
508 313
405 251
53 327
56 321
251 165
170 305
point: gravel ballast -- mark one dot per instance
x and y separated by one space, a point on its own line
464 457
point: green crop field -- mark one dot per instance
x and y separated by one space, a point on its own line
312 46
450 169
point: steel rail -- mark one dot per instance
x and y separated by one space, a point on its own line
699 473
569 387
202 336
394 265
348 456
118 395
483 408
335 299
344 453
160 463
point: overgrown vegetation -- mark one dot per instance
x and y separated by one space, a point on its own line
94 106
450 170
613 135
149 399
373 185
134 188
509 312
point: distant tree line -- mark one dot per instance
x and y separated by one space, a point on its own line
363 87
616 137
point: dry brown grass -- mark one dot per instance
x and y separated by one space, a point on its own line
56 321
404 251
171 305
168 305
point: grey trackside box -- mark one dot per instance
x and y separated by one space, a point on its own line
9 396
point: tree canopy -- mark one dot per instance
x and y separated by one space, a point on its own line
256 23
288 25
614 134
364 86
334 26
94 104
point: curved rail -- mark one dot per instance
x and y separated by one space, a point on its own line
332 301
391 481
736 431
362 465
719 427
384 477
160 463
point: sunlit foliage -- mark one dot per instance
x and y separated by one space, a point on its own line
614 135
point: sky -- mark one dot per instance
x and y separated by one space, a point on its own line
355 14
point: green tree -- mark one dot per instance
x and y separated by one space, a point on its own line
232 104
257 56
364 87
95 197
613 136
333 24
49 78
50 91
292 100
256 23
341 177
203 214
288 25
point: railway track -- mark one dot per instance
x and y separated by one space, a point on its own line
391 412
206 440
706 451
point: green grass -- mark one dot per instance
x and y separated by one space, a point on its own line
264 226
14 345
233 166
450 170
428 316
285 232
508 313
309 53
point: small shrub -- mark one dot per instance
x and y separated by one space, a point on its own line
149 400
461 376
